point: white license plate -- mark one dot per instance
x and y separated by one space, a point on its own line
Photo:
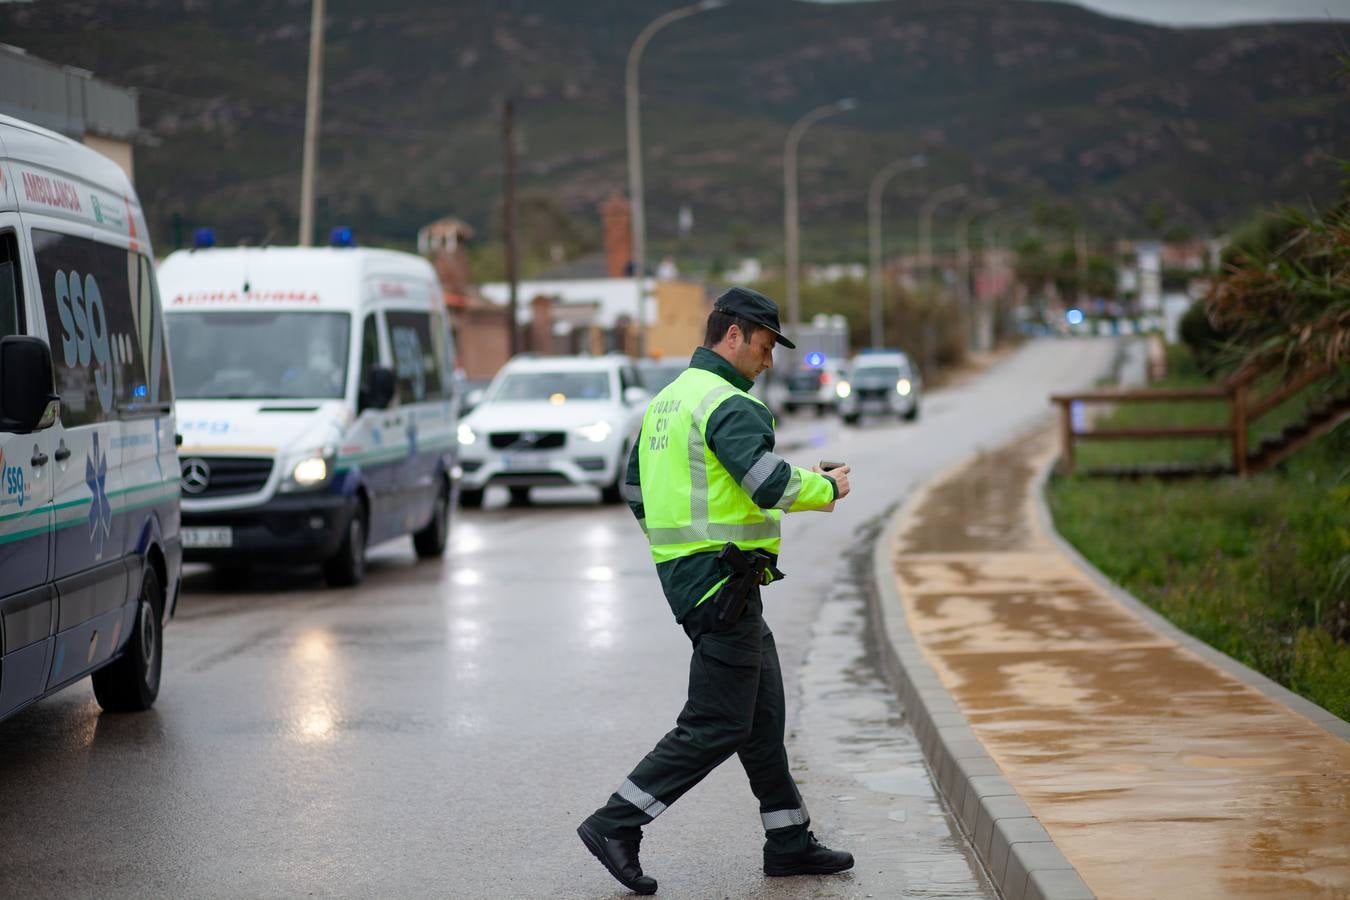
208 537
527 461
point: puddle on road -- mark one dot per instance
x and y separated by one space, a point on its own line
854 747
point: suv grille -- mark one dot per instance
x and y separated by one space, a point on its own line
221 476
527 440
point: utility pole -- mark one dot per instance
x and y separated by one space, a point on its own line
509 216
313 96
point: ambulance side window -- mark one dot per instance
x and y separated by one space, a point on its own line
87 290
11 286
150 329
370 346
416 362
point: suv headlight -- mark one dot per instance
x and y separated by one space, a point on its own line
466 434
903 387
596 431
843 389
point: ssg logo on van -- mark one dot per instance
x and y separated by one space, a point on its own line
12 483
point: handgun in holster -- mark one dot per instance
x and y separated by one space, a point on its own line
747 574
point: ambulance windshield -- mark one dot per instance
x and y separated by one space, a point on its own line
259 355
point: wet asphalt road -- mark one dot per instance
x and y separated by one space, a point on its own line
441 730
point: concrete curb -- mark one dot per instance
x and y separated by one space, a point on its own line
1018 854
1322 718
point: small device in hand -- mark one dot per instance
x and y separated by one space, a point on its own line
827 465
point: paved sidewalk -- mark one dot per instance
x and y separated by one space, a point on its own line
1086 745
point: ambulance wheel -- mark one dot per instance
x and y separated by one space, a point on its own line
471 498
913 412
851 419
430 541
348 566
131 684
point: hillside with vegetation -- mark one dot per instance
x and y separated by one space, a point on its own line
1028 102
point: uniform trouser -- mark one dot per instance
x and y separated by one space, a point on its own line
736 706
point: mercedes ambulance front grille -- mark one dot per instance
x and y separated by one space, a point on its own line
527 440
223 476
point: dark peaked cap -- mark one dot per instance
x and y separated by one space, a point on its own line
753 307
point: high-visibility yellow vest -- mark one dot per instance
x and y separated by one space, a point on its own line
692 504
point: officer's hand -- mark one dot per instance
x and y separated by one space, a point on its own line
840 476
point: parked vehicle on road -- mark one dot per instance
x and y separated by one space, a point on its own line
90 560
814 387
882 381
549 421
315 401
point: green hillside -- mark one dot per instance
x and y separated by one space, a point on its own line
1027 101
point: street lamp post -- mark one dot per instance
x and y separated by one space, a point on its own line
637 215
950 192
874 191
967 296
790 225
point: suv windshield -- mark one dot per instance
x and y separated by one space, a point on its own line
259 355
555 387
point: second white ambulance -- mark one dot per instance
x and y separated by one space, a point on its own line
315 402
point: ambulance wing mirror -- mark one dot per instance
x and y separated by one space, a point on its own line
27 402
377 389
633 395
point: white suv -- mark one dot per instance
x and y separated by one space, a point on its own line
549 421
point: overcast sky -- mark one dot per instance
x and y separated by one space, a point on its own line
1220 12
1211 12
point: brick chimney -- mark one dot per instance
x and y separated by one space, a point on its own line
615 214
443 242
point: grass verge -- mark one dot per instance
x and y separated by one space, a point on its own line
1258 568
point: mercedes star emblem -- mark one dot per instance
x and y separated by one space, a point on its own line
196 476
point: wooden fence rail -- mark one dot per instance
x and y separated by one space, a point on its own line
1243 409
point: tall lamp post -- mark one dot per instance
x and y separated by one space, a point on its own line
874 191
950 192
790 225
963 241
637 216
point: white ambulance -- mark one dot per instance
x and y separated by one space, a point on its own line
315 403
90 559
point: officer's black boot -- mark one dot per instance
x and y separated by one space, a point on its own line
621 858
815 859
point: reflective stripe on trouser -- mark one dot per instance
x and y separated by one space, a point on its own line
735 705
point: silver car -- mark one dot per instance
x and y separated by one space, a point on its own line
882 382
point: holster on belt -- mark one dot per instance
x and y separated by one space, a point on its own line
748 568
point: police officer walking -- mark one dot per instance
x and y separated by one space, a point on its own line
710 493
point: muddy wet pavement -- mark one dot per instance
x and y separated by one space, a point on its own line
441 730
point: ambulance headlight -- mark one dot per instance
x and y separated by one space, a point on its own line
596 431
310 471
843 389
903 387
466 435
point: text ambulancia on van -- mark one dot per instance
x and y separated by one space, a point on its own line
90 559
315 404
